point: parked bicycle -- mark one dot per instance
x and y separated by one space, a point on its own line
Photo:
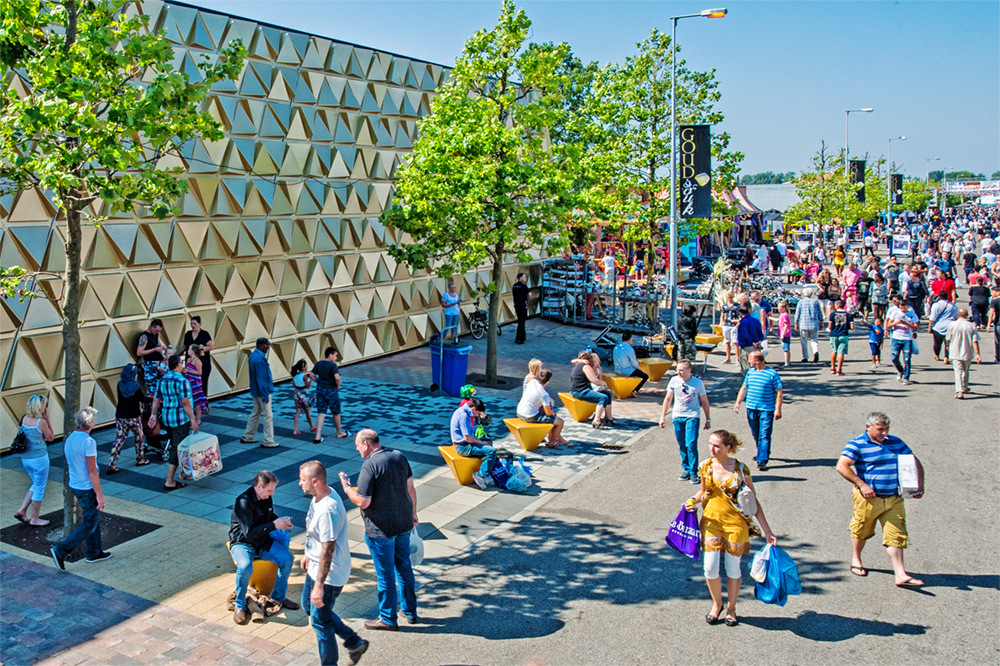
479 321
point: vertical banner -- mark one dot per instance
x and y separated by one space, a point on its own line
857 175
896 187
694 171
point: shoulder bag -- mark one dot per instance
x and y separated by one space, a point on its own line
20 443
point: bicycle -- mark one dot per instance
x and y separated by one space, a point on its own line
479 322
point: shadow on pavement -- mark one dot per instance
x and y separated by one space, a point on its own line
830 628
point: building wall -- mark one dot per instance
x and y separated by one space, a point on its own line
279 235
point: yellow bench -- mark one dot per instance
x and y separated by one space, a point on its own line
462 467
708 339
655 367
528 435
264 575
580 410
716 329
620 385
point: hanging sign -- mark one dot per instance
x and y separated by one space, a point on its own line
694 171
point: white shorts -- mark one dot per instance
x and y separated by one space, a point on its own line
729 334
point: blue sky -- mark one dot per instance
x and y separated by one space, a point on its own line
788 70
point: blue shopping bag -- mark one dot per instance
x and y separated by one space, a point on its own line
782 579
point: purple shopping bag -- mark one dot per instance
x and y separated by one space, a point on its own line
685 535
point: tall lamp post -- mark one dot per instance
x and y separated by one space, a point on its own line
705 13
928 170
888 179
847 121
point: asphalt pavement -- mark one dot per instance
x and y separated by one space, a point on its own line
587 578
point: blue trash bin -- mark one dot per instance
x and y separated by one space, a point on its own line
456 366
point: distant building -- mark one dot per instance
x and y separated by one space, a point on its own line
773 197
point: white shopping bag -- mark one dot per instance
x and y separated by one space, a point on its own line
198 456
416 548
909 475
758 570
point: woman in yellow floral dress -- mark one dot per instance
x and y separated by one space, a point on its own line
725 530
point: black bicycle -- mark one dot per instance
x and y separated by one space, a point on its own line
479 321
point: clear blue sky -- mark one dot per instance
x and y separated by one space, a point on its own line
788 70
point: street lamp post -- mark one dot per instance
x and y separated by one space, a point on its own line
928 170
888 179
706 13
847 120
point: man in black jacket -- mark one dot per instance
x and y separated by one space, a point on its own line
520 293
250 536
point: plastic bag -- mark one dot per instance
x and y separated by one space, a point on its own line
520 478
500 473
758 569
198 456
685 535
782 579
765 347
913 347
416 548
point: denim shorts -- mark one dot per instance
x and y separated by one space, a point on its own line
327 399
540 417
786 344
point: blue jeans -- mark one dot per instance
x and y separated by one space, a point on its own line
761 425
89 529
488 453
590 395
327 624
243 554
686 432
906 348
391 557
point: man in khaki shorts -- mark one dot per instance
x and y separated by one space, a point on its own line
874 456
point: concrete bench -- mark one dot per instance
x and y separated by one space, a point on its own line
655 367
580 410
528 435
264 575
621 386
462 467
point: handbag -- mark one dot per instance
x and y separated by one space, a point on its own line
746 500
685 534
20 443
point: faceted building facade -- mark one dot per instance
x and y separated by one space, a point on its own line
279 235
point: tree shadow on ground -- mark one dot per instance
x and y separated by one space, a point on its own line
528 578
831 628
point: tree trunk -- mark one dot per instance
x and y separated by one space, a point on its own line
71 362
491 334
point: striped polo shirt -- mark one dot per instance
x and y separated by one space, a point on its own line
762 388
876 463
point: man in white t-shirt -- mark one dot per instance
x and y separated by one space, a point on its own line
902 322
609 269
327 563
687 395
537 406
80 450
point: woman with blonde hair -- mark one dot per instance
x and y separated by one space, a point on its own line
534 367
35 459
725 529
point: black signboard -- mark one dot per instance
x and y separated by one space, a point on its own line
896 187
694 171
857 175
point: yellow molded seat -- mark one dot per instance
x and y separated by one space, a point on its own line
528 435
655 367
264 575
716 329
580 410
462 467
621 386
708 339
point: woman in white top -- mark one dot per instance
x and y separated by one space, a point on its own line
536 406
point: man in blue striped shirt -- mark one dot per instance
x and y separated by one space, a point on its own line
763 392
874 455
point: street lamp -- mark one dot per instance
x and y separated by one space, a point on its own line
888 179
705 13
928 164
847 120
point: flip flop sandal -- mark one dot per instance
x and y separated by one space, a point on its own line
859 571
911 583
20 518
113 470
347 433
319 441
42 523
141 463
170 488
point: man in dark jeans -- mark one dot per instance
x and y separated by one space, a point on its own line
520 293
388 502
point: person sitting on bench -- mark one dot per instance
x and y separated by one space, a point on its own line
463 428
626 363
536 406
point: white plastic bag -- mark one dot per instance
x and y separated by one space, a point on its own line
416 548
765 347
520 479
758 569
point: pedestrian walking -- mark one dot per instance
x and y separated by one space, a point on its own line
979 301
785 331
963 347
84 480
327 563
876 336
870 463
808 314
35 458
686 396
993 322
250 537
388 502
326 374
840 326
261 388
128 419
879 296
519 290
172 409
749 336
193 372
725 529
199 336
903 322
301 380
942 314
764 394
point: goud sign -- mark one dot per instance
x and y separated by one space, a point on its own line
694 173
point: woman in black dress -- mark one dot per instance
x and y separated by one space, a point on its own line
199 336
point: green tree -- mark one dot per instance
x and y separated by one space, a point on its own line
827 196
629 151
995 175
103 108
483 181
916 195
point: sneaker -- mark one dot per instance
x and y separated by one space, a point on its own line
873 366
906 382
805 360
695 479
58 560
684 477
354 654
899 376
100 557
727 361
762 467
480 481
